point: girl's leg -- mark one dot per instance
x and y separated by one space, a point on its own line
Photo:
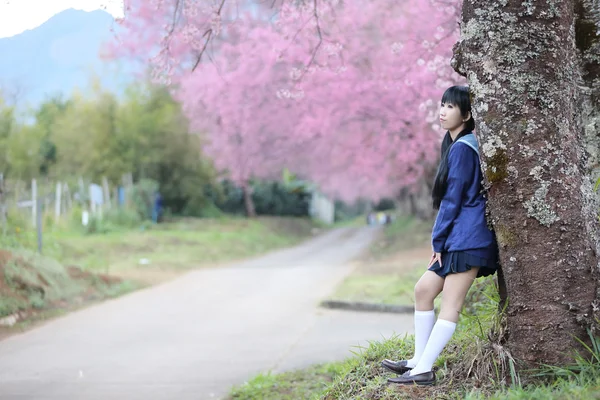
455 290
426 290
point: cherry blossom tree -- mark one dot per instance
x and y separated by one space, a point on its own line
370 85
344 93
235 101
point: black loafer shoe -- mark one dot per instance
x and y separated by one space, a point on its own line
398 367
426 378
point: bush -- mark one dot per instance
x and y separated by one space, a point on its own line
122 217
270 198
345 211
385 205
18 231
210 211
142 196
229 198
96 225
113 220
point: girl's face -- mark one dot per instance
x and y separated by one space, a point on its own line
450 117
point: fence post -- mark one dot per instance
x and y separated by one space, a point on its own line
106 190
68 200
58 200
82 192
116 197
91 204
128 187
2 204
38 207
34 201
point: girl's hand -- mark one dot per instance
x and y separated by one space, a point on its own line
431 260
435 257
438 258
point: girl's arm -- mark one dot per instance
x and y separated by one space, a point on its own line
462 161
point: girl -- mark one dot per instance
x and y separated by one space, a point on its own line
463 246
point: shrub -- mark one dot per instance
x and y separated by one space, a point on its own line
142 196
270 198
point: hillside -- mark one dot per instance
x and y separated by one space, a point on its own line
60 55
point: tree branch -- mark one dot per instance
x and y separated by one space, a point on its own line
208 34
199 58
316 15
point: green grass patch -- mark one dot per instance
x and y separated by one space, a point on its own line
405 232
330 380
389 273
180 245
384 289
301 384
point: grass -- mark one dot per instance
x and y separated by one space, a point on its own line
403 234
78 269
301 384
179 245
466 360
392 267
383 289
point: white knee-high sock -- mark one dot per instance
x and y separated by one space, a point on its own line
424 321
440 336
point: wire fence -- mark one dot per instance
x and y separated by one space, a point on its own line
35 198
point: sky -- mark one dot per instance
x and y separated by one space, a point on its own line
17 16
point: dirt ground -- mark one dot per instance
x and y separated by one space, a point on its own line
29 293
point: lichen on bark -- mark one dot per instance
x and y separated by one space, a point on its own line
537 207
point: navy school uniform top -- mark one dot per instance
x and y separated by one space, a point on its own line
460 224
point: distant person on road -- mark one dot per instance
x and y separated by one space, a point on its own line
464 248
370 218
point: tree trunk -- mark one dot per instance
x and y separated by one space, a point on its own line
413 205
248 202
525 76
588 42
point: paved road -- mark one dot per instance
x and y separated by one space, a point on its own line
196 336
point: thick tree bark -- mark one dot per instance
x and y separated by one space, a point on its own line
525 74
248 202
588 42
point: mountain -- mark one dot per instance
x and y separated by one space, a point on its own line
60 55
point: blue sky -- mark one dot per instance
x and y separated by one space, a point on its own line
17 16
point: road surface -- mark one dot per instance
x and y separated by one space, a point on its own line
196 336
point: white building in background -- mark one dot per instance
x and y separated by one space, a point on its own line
322 208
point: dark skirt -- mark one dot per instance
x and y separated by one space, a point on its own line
459 261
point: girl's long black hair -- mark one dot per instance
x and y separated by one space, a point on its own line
458 96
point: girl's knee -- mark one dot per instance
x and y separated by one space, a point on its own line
450 310
424 292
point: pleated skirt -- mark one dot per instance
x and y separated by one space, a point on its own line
460 261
